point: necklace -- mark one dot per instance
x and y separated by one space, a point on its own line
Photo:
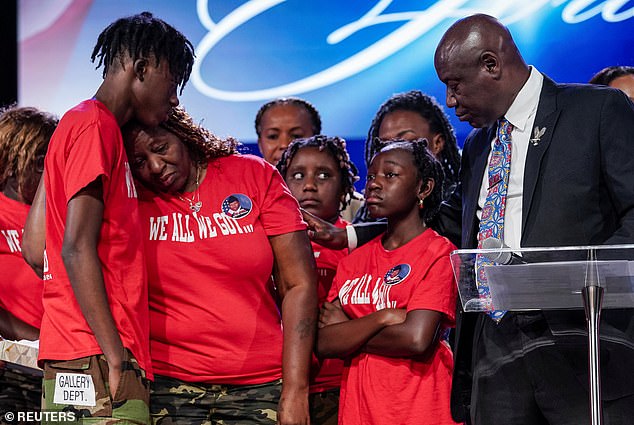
194 206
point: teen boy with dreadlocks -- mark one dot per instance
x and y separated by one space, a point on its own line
94 338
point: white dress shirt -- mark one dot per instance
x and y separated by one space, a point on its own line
522 115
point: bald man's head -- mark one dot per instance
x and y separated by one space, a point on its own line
480 64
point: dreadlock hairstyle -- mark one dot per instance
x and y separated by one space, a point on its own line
202 144
24 136
336 147
606 75
144 36
315 119
427 167
428 108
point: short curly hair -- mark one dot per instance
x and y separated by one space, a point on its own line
24 136
202 143
336 147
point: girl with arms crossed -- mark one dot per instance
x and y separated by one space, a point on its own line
393 299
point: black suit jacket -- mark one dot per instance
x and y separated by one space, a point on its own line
578 190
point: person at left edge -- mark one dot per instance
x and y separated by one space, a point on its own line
24 136
95 292
218 345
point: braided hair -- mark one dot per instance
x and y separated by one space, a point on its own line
427 168
202 144
144 36
315 119
24 136
429 109
336 147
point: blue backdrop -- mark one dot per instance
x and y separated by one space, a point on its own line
346 57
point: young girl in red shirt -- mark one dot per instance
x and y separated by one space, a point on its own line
393 300
320 175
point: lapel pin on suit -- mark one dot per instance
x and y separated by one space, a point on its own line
537 135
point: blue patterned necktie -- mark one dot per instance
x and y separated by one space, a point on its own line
492 220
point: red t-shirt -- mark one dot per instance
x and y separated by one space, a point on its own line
87 145
325 374
20 287
213 317
417 276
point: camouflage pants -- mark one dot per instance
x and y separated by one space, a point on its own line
324 407
128 406
175 402
20 390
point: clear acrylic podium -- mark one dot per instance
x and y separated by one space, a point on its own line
558 278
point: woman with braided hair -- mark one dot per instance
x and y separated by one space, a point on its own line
414 115
215 225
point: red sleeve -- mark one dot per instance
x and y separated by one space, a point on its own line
333 292
90 155
437 291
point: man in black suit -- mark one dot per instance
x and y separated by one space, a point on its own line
571 183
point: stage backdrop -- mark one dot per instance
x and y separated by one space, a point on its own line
346 57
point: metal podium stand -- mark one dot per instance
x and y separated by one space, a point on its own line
581 277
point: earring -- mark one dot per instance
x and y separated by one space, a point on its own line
420 203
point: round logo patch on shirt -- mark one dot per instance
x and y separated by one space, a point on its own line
396 274
237 205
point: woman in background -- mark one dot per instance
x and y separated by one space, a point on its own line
410 116
281 121
24 136
619 77
285 119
